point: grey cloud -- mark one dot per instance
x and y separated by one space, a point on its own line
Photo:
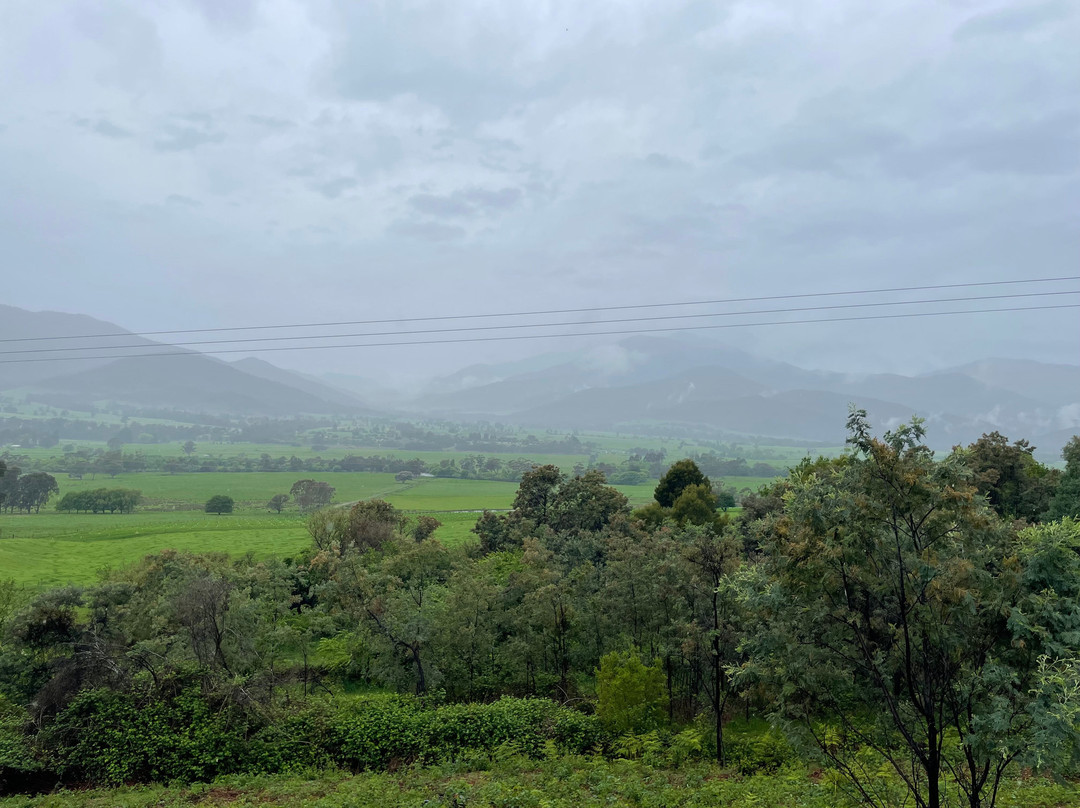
271 122
467 202
441 205
185 138
336 187
914 141
1049 146
663 162
1012 20
103 127
182 201
426 231
497 200
232 15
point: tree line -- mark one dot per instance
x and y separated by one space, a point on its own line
896 614
100 500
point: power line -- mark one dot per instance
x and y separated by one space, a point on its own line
505 327
510 337
551 311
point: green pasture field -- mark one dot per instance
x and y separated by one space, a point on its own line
253 489
49 550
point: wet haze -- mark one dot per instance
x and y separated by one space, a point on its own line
213 163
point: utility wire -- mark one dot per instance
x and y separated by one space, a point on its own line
505 327
509 337
552 311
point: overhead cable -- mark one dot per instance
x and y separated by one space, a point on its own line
515 337
511 326
627 307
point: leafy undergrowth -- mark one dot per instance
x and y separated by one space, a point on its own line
515 782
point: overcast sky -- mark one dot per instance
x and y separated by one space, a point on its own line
226 162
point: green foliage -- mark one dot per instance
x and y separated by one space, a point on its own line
888 582
756 749
27 492
100 500
277 502
676 479
16 751
1015 484
109 737
1066 501
311 494
219 504
695 505
630 694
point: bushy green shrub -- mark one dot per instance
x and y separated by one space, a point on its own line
757 749
381 732
630 694
107 736
110 737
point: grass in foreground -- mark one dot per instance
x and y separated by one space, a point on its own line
515 783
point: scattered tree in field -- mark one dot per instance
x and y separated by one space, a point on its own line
404 476
219 504
725 497
277 502
901 623
311 494
100 500
188 447
676 479
111 463
34 490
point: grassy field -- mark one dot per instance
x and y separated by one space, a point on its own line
251 490
517 783
52 549
58 549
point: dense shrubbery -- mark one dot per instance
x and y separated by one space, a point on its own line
107 736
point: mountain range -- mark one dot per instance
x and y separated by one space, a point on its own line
646 384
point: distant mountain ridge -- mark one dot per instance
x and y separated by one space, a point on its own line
685 384
696 383
192 382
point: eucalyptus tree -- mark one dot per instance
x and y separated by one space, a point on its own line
890 607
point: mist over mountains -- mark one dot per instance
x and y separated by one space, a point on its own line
642 384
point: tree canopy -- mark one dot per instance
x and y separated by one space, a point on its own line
219 504
676 479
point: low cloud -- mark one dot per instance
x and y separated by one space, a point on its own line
467 202
105 128
427 231
335 188
186 138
